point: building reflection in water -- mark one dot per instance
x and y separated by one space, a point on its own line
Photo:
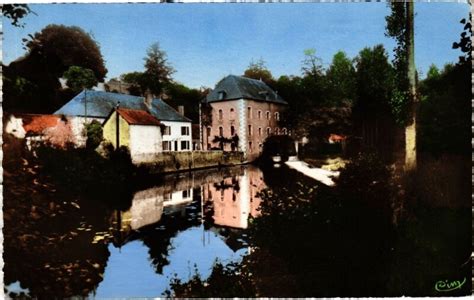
235 198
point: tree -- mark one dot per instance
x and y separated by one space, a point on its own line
79 78
137 83
374 79
51 52
157 69
433 72
16 12
373 118
312 65
465 43
400 26
258 70
60 47
341 78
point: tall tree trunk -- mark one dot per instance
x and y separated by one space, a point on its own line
410 129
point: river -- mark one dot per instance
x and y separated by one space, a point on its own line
175 228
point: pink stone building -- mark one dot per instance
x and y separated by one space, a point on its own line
239 114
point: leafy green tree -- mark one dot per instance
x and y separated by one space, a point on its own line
79 78
374 79
433 72
400 26
51 52
60 47
259 70
157 69
341 78
137 83
180 95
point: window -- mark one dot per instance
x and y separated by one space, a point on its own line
284 130
259 131
269 131
184 145
186 193
259 114
277 116
232 130
221 95
209 146
221 131
184 130
232 114
277 131
249 112
166 145
268 115
167 130
220 115
250 130
250 146
208 131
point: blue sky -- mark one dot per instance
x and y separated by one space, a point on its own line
205 42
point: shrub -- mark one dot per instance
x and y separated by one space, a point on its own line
94 134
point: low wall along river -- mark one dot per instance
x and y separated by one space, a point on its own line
180 161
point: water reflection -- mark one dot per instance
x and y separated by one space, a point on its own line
235 198
185 222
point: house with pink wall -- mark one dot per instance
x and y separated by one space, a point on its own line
239 114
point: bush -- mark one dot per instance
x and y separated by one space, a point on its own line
366 180
94 135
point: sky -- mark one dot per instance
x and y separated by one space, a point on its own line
205 42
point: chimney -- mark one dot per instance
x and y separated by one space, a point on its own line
181 110
148 99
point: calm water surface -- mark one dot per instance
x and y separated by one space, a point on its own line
180 226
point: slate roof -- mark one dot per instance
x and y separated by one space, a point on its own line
238 87
100 104
138 117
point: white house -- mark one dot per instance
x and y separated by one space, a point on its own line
98 105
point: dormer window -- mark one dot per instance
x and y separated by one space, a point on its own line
221 95
265 94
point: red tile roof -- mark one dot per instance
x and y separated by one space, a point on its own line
138 117
336 137
38 123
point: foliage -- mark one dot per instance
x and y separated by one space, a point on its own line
94 134
157 69
366 180
465 43
258 70
312 65
444 116
137 83
178 94
51 52
79 78
61 47
374 80
341 79
231 280
16 12
222 141
396 28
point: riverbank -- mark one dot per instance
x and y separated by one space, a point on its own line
170 162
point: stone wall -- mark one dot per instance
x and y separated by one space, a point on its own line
180 161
